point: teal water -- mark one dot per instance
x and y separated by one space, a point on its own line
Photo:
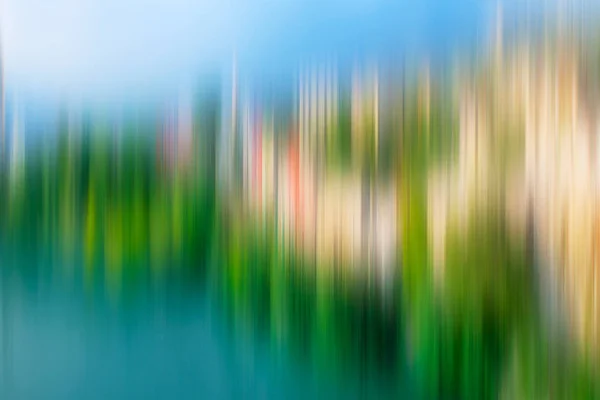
161 338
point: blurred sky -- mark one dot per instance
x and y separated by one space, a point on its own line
97 46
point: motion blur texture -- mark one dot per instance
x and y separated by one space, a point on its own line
400 228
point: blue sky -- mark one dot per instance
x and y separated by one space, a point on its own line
106 45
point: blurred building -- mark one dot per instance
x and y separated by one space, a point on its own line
365 114
317 109
176 134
